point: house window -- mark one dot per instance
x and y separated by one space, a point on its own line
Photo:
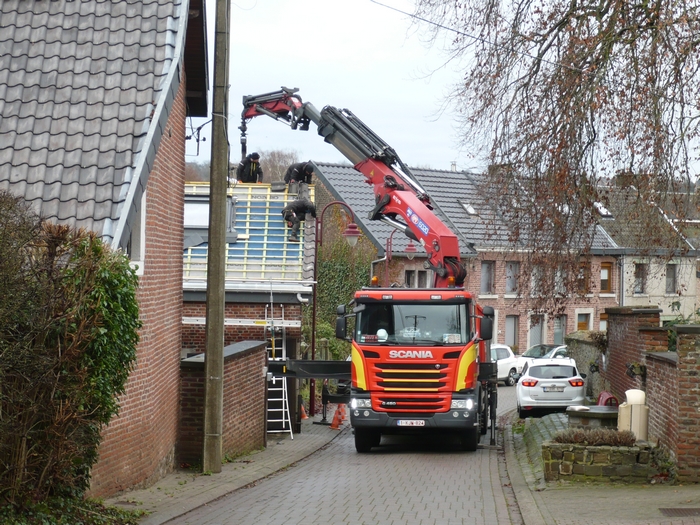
536 330
487 277
583 322
640 278
416 279
536 278
603 322
584 273
559 329
512 329
671 270
410 278
606 278
512 274
560 281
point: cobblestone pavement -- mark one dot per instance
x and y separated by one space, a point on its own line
407 481
509 474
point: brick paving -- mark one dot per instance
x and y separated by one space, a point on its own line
509 475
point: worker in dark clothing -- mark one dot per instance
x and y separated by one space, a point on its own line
295 212
299 172
249 169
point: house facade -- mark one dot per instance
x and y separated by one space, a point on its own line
493 266
92 135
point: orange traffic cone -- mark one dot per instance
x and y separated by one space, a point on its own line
303 413
335 425
343 415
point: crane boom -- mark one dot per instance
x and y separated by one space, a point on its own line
397 192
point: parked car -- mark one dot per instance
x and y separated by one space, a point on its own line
503 355
551 384
540 351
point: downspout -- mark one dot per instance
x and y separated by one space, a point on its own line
621 265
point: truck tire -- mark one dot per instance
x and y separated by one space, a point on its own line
366 438
470 440
484 420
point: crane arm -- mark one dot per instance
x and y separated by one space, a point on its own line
397 192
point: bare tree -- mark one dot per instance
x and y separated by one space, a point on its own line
567 95
275 163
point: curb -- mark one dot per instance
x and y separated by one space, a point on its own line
532 508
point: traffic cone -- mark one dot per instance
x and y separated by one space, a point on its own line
343 415
335 425
303 413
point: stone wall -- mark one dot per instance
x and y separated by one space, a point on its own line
584 350
583 463
244 425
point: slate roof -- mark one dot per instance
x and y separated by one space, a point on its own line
460 202
85 92
348 184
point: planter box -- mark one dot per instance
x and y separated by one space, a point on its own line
569 462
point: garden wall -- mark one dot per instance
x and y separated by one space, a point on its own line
244 424
583 463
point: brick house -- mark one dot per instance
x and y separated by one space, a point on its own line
93 101
492 264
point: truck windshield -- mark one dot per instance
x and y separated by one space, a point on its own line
413 324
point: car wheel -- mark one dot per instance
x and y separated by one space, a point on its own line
470 440
510 380
522 414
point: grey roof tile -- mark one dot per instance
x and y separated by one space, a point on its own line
79 83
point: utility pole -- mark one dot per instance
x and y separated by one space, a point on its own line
216 265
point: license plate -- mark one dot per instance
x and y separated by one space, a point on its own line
411 422
553 388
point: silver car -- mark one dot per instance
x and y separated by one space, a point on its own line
551 384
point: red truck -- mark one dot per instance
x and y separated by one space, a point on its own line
420 357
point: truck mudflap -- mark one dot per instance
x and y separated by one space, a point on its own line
453 420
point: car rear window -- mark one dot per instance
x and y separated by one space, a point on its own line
552 371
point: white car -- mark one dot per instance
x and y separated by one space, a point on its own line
503 355
539 352
551 384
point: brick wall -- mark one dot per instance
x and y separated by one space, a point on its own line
194 335
662 399
631 333
149 408
688 400
243 405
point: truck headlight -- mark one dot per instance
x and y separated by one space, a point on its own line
360 403
462 404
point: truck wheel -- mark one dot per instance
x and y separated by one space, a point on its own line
484 420
470 440
510 380
365 439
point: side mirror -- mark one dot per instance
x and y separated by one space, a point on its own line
341 327
340 310
486 328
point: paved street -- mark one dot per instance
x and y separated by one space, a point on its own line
409 480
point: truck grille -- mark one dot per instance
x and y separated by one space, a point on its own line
397 381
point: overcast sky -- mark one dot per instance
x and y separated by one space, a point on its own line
352 54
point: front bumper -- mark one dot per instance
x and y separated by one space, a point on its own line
454 419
